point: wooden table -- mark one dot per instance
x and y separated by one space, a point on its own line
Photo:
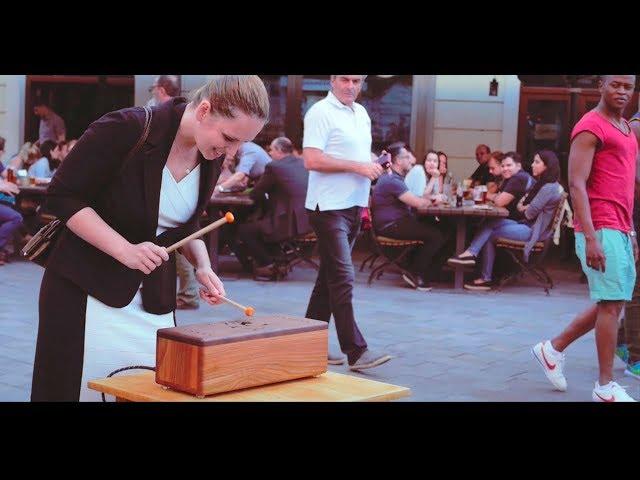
461 214
33 190
329 387
226 202
32 195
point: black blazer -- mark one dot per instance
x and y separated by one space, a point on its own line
128 202
286 182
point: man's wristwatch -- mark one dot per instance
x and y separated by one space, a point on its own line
633 234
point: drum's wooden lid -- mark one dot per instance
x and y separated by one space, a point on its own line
206 334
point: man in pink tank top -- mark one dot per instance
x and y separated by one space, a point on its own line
602 170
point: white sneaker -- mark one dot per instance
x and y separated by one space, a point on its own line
551 363
610 393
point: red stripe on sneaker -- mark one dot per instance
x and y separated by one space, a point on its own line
608 400
549 366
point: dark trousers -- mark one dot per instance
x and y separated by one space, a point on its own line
333 292
57 369
410 228
10 221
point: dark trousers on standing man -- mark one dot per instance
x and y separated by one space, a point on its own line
333 292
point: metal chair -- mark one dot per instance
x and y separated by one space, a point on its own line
383 246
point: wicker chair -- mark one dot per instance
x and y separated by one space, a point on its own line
384 246
293 252
534 267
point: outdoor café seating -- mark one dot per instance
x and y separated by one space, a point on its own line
534 267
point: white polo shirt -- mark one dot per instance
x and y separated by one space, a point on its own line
344 133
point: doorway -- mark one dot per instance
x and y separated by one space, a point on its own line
78 99
547 116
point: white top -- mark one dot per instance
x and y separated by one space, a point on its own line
178 201
416 180
344 133
121 337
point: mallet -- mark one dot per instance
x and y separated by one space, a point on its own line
228 218
248 311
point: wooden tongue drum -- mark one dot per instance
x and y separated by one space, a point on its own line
221 357
225 356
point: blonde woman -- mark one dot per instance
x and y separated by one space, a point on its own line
120 217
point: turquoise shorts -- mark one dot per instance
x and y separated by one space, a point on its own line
619 277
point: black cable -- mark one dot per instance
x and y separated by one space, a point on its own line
136 367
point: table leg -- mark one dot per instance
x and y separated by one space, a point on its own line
213 250
461 233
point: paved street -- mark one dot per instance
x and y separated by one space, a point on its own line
448 346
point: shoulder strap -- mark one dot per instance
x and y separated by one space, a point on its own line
148 114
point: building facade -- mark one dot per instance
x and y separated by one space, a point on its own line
452 113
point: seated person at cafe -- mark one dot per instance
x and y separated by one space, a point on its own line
228 169
392 217
426 180
514 186
512 165
26 157
520 166
252 160
10 220
44 169
536 211
482 176
443 166
285 182
494 164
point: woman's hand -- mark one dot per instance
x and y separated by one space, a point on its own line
213 288
521 206
145 257
433 172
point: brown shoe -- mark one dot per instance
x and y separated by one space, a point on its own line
182 305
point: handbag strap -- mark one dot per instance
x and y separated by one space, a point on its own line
148 116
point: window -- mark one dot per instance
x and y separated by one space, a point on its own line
387 99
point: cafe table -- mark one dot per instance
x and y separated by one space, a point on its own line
461 215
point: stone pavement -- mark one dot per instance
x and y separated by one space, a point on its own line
448 346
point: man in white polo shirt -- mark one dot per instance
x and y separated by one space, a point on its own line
337 151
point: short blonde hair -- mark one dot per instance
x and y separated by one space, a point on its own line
227 93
